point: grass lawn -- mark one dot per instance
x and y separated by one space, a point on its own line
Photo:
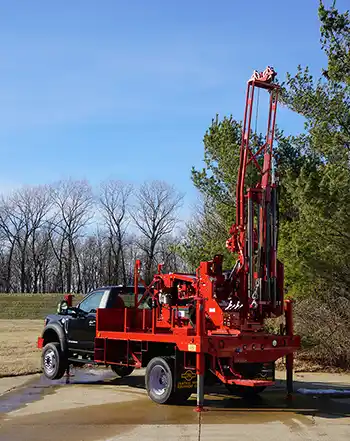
18 352
30 306
21 322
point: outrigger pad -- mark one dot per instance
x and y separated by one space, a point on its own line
324 392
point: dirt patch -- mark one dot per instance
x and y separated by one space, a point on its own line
18 352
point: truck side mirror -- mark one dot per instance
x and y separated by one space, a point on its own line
62 307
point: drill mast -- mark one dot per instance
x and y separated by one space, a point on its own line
254 234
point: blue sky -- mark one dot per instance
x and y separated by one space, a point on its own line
115 89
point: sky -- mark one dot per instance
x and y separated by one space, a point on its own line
125 90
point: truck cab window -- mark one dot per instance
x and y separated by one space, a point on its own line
92 302
124 297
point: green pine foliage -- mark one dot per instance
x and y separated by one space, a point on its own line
316 245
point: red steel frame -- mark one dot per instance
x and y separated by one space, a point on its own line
211 339
218 318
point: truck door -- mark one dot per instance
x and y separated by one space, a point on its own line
81 330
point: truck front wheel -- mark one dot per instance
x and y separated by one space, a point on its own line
54 362
160 381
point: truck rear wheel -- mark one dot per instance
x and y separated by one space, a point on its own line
160 381
244 391
54 362
122 371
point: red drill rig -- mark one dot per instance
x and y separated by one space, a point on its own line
210 325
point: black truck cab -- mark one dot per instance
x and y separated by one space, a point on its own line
68 336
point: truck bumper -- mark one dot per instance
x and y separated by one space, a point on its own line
252 349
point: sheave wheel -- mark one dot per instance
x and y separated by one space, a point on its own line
244 391
122 371
53 361
159 381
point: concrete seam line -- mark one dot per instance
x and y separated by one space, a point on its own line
199 425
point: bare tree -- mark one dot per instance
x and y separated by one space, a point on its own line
23 215
47 263
155 215
169 255
10 226
113 199
90 265
132 252
38 203
46 245
73 201
101 250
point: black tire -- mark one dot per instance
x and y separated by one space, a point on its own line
53 362
245 391
159 379
122 371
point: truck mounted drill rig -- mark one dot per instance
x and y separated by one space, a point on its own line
190 329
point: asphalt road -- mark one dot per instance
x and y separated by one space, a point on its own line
94 405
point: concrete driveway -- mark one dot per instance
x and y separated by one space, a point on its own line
94 405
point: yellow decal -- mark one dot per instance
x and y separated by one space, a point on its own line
188 380
188 375
192 347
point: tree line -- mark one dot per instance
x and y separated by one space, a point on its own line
67 237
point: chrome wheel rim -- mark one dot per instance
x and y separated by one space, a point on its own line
50 361
158 380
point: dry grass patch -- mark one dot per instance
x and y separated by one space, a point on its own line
18 352
30 306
